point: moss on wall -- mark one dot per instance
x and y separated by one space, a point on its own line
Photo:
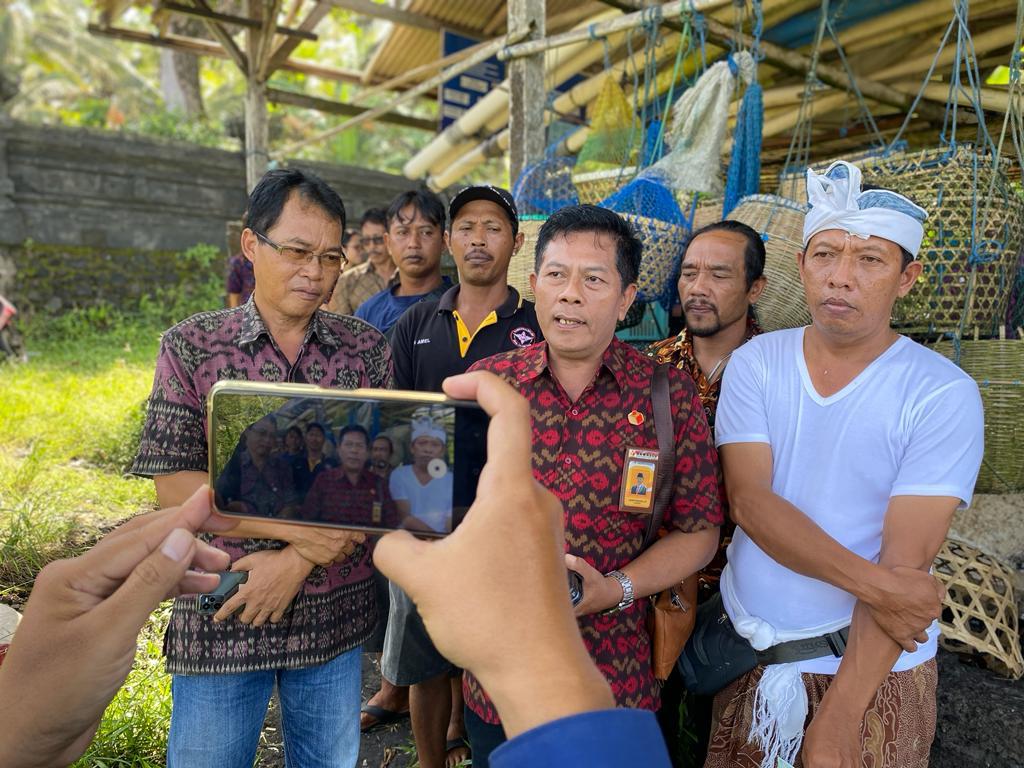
52 278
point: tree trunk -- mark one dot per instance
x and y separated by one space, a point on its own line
179 72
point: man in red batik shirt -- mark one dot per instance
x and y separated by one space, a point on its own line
590 398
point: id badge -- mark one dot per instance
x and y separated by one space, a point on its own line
639 477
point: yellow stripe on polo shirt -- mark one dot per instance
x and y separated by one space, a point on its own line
465 337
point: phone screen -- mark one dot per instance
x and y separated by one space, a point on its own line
363 462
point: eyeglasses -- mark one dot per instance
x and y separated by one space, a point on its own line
300 257
374 239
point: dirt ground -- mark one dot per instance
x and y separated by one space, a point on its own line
389 747
980 723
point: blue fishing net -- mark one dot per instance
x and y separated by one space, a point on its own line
546 186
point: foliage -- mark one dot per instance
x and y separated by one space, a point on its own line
69 422
67 76
133 731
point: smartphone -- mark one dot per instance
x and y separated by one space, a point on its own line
209 603
363 459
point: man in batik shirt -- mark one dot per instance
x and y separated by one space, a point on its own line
351 493
721 276
593 431
309 600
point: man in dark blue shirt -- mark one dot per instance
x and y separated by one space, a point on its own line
415 239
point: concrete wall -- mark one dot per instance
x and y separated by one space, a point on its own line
108 211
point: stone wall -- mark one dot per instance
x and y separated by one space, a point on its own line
90 215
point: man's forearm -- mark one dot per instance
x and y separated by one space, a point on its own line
670 560
792 539
869 657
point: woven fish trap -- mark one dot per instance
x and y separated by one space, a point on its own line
594 186
663 245
979 613
781 223
998 367
521 266
958 288
699 208
1015 305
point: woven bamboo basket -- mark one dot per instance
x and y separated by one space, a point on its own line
781 223
663 244
955 290
521 266
595 186
699 208
979 613
1015 306
998 367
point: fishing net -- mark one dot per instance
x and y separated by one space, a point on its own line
546 186
650 207
608 157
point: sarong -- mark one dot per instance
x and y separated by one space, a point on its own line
898 727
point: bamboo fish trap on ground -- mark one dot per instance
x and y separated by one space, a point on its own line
521 266
979 613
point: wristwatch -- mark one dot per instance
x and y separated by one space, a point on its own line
627 591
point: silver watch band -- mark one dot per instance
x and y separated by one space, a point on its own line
627 590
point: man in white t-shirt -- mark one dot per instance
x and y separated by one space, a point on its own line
846 449
423 490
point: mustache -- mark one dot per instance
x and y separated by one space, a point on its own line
698 303
478 252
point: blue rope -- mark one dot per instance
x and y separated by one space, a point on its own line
744 177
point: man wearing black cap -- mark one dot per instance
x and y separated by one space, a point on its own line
479 317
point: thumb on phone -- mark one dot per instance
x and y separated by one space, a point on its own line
150 581
398 555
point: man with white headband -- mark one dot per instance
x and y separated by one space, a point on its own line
846 449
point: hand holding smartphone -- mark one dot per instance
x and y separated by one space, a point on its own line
370 460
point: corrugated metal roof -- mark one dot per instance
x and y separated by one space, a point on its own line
406 47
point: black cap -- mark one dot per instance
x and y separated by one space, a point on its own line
502 197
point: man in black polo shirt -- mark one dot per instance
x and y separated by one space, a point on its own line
479 317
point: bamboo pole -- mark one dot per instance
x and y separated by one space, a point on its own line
993 39
463 66
827 73
491 109
991 99
423 69
604 28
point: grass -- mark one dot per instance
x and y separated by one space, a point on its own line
70 420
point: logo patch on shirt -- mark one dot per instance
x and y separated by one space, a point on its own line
421 341
522 336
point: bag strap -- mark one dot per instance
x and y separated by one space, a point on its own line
666 450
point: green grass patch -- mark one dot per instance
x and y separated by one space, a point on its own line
70 422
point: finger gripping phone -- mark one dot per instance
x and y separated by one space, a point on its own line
366 459
209 603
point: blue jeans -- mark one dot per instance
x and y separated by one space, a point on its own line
216 719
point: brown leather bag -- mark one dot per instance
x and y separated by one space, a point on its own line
673 610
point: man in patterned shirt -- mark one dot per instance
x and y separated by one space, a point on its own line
306 606
720 279
361 281
590 398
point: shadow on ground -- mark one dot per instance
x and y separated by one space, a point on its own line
980 723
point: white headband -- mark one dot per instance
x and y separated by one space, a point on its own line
427 428
837 202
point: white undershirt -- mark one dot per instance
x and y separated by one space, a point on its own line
910 424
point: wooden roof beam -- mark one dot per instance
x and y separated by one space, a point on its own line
405 18
225 39
206 48
203 11
346 110
284 50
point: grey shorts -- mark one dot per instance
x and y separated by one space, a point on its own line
409 654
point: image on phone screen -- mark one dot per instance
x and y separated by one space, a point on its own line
362 463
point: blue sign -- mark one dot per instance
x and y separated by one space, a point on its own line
463 91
